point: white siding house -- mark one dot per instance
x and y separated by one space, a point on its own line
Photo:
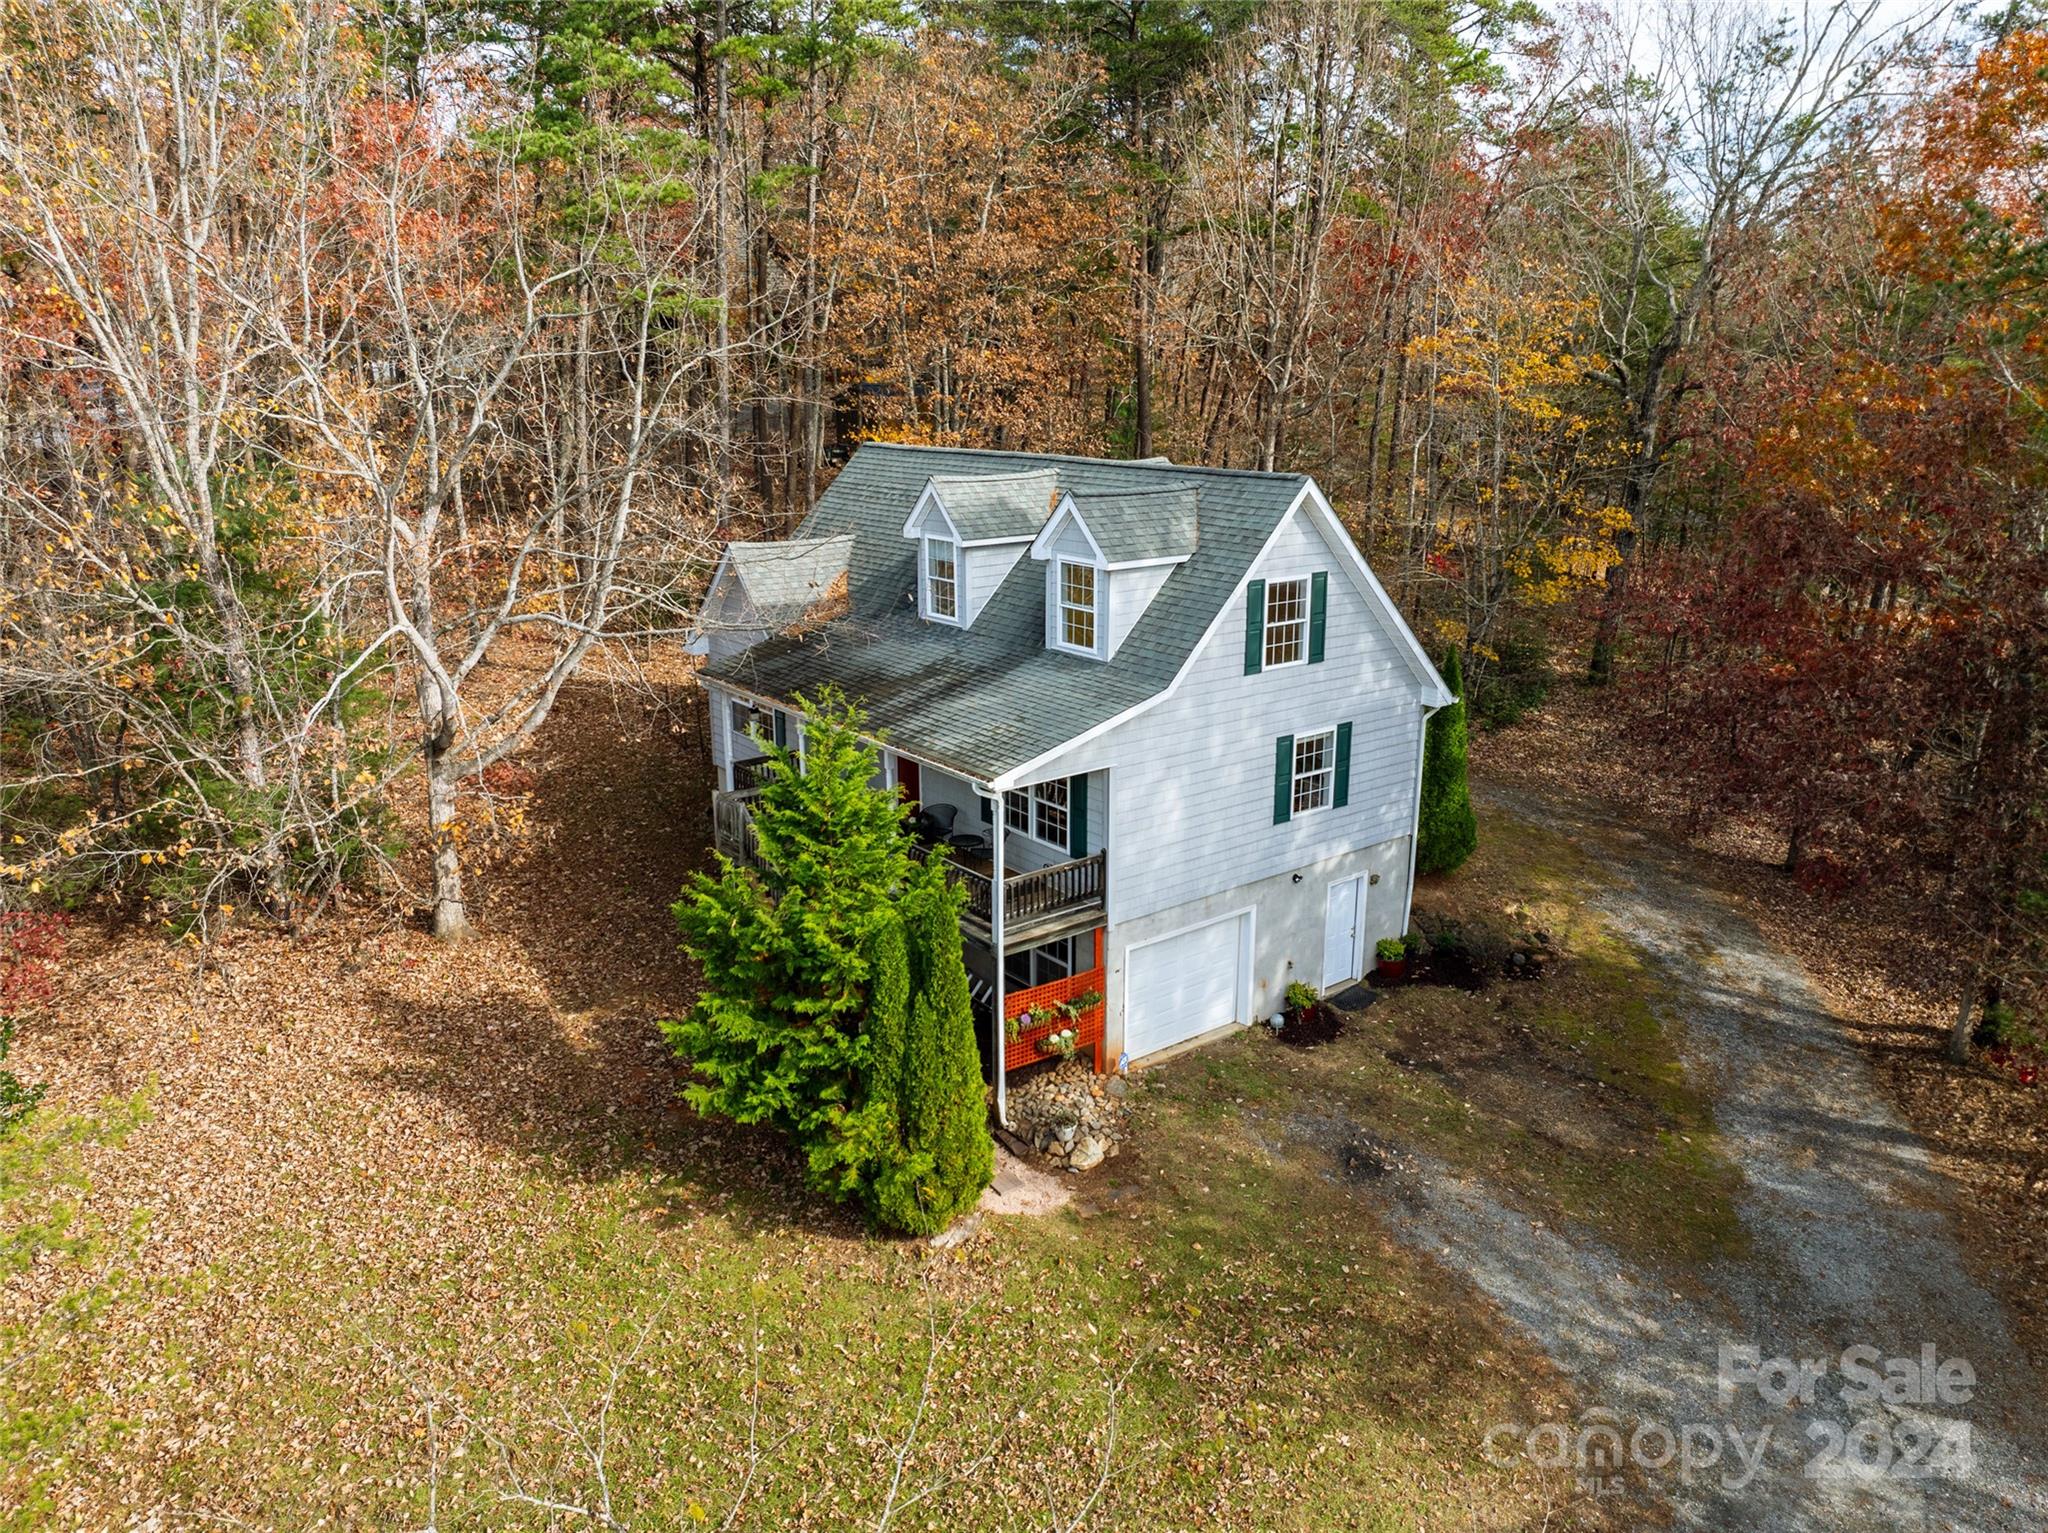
1191 790
1169 735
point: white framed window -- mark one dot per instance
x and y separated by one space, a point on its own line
1286 622
1026 967
1077 605
1039 811
1315 770
941 579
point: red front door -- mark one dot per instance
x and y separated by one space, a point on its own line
906 779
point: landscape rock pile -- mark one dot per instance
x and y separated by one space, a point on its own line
1069 1114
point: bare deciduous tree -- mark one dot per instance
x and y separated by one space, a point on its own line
1708 120
426 309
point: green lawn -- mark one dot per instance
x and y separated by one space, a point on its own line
1277 1362
433 1296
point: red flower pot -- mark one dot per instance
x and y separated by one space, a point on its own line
1391 971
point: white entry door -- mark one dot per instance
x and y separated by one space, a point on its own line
1343 918
1182 986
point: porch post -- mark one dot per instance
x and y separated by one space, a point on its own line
995 935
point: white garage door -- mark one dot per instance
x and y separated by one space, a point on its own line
1184 985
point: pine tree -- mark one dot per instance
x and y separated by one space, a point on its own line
1450 831
942 1115
788 956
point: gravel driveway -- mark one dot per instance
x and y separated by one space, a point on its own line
1849 1247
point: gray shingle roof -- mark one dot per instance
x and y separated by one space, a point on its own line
1130 525
996 505
993 697
783 579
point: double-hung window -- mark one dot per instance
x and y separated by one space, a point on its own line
1039 811
1077 605
1315 770
1286 622
941 579
1026 967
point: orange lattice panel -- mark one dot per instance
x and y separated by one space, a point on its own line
1024 1048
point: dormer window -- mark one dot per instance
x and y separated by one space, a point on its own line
1106 556
941 579
1077 605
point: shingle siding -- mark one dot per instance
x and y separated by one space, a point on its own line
1130 593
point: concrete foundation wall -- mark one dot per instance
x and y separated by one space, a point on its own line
1287 926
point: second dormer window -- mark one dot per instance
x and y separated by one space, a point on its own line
941 579
1077 605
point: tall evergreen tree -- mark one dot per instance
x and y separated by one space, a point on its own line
788 955
1450 831
947 1155
1153 55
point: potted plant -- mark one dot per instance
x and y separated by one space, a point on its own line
1302 1002
1392 956
1062 1043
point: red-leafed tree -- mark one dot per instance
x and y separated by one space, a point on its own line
1862 655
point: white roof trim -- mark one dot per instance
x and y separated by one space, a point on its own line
1147 564
913 524
1041 546
1435 693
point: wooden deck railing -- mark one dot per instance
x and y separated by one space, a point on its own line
732 826
751 773
1046 891
1065 886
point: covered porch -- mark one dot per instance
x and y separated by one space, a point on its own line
1031 864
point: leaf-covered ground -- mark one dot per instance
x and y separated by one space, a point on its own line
414 1235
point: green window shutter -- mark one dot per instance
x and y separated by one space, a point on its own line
1077 815
1254 627
1318 609
782 729
1283 779
1341 791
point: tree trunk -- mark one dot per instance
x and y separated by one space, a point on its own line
451 911
1959 1033
722 277
1635 496
1141 351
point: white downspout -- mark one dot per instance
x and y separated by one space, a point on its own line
995 934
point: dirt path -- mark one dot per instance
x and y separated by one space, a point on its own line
1848 1245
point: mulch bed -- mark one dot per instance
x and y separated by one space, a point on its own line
1312 1027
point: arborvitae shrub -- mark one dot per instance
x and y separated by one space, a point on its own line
1450 831
942 1113
835 1003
